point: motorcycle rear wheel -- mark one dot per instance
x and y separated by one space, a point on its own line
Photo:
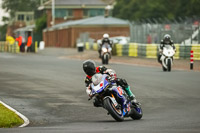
136 113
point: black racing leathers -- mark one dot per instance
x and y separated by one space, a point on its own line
162 45
102 70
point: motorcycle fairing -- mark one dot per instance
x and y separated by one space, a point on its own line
100 86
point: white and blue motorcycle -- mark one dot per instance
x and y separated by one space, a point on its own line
114 99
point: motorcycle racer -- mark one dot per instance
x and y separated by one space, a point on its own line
166 41
90 69
104 40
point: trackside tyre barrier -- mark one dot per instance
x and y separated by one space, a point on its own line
35 47
14 48
142 50
177 54
125 50
87 46
149 50
119 49
196 51
133 49
95 46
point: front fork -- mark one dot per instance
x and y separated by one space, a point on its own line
165 60
119 92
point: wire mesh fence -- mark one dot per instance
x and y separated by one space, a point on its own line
152 33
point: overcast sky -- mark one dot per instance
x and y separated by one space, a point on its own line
2 13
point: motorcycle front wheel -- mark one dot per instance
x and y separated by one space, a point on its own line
169 65
115 113
107 59
136 113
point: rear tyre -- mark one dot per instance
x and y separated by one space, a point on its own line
114 112
136 113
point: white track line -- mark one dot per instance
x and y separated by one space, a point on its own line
26 120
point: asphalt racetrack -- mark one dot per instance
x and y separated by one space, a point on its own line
50 91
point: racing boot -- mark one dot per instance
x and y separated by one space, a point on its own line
130 94
158 57
135 102
99 53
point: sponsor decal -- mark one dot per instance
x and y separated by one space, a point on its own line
128 107
120 91
101 84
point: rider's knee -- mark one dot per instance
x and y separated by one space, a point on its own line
122 82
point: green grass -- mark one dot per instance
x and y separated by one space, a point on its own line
8 118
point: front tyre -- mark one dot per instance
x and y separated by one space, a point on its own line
107 58
115 113
169 65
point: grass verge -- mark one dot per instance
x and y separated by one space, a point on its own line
8 118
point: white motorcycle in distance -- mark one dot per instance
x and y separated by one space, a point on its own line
106 53
167 57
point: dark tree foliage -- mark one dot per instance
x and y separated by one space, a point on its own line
13 6
20 5
3 30
156 9
41 23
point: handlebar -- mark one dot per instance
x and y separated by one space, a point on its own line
91 97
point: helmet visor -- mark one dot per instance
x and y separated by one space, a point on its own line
90 71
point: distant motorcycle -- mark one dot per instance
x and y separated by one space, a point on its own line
106 53
109 95
167 58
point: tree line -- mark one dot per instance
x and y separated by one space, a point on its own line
12 6
136 10
133 10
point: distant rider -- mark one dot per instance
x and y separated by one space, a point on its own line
103 41
90 69
166 41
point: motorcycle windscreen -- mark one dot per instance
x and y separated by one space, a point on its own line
168 51
168 46
99 82
97 78
106 48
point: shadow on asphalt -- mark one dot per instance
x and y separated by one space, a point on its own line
111 121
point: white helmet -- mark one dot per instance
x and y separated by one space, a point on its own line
105 35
